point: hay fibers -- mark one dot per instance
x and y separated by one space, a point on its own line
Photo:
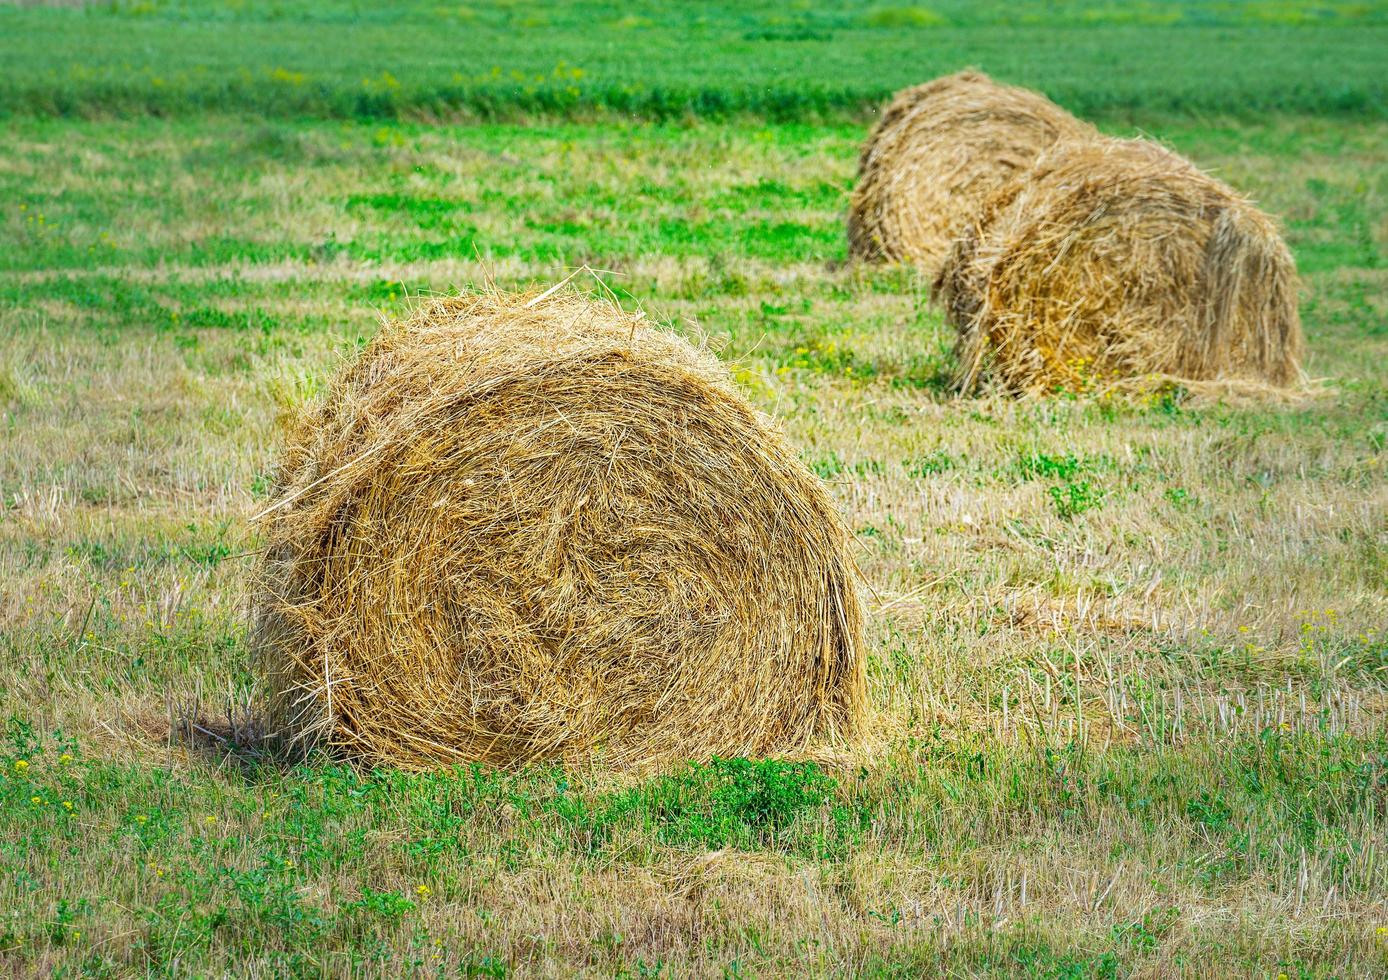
1117 259
534 527
936 154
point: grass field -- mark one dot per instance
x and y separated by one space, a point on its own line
1136 653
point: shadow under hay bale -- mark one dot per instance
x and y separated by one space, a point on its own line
939 150
1114 260
534 527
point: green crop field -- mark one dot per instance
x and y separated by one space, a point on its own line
1135 652
780 60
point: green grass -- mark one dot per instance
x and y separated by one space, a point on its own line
243 870
1128 658
662 60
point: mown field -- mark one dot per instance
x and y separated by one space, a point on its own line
1133 655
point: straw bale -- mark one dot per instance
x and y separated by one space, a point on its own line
536 527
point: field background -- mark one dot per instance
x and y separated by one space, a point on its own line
1134 654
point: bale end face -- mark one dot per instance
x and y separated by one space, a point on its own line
936 153
524 528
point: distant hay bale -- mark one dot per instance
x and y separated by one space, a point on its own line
936 154
1114 260
533 527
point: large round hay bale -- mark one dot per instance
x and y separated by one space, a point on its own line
534 527
1117 259
936 154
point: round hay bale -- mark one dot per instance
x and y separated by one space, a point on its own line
533 527
1116 259
936 154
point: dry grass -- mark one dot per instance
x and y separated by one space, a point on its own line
1119 259
939 150
526 527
